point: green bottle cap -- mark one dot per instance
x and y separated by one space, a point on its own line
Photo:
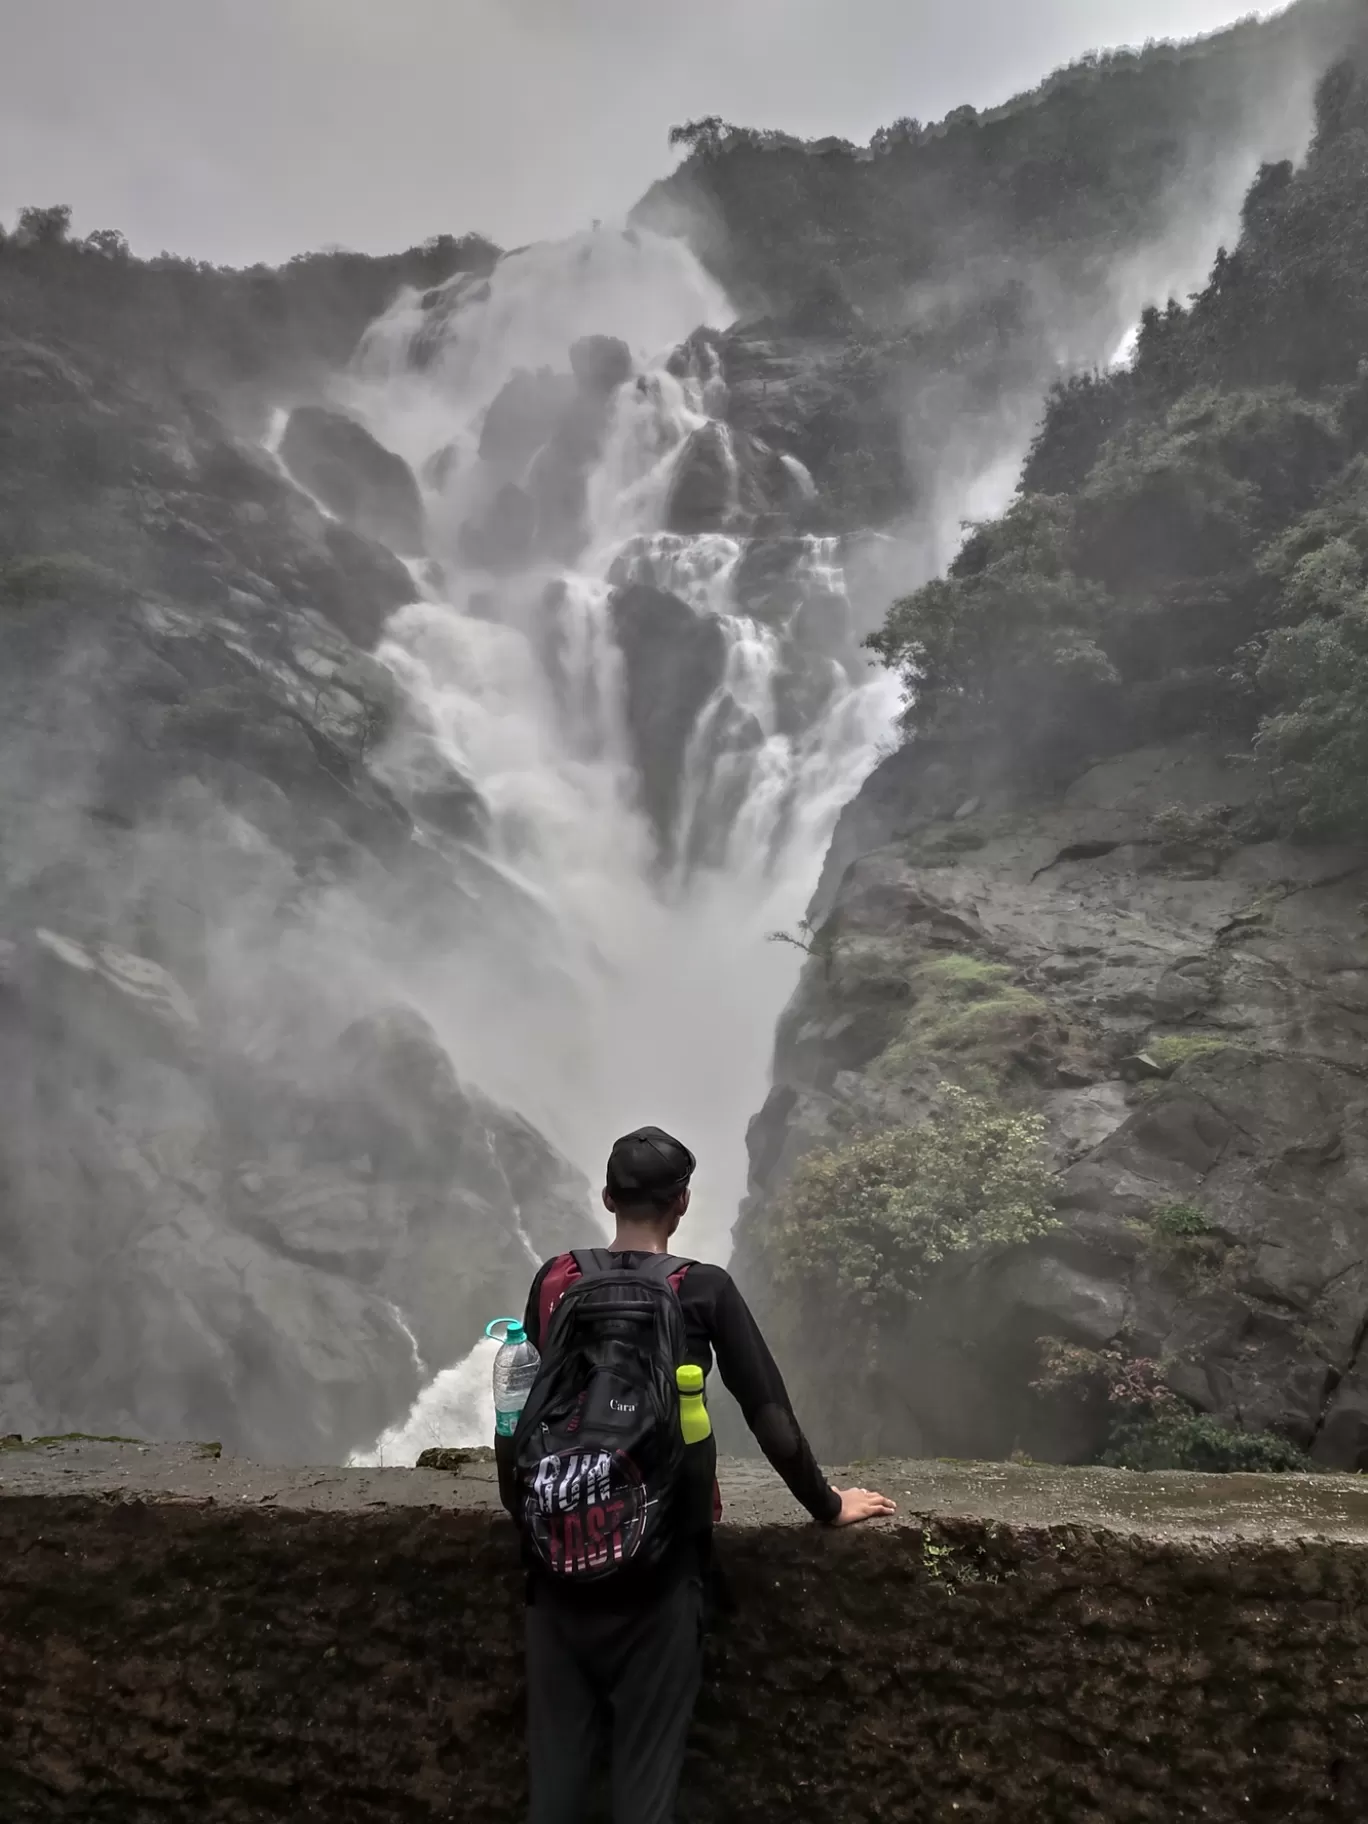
513 1330
689 1378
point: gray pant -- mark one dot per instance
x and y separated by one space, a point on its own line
639 1671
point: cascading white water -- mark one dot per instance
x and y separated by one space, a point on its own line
661 999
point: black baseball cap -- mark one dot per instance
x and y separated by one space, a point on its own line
649 1163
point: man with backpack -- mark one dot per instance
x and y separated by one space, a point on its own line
615 1507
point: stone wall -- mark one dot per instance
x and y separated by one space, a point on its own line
189 1639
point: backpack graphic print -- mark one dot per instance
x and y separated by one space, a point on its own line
598 1452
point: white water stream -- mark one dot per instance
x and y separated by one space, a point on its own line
667 992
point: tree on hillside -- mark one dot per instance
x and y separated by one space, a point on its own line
703 136
108 243
1189 550
44 227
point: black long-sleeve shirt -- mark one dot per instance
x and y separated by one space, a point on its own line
718 1324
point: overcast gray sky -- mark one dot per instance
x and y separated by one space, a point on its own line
237 130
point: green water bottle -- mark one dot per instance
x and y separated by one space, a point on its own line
693 1412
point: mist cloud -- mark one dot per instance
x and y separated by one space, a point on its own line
261 128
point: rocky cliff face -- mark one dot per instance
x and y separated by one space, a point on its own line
1188 1013
1115 881
245 1194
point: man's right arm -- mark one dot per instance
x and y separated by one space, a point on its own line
751 1374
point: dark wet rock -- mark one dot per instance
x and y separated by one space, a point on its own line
803 687
502 539
673 661
550 434
769 580
833 404
452 1460
558 485
705 490
600 364
524 415
356 477
541 437
439 468
725 480
436 791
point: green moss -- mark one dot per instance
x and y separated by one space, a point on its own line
1171 1053
57 576
1175 1437
1203 826
965 1010
961 974
960 839
941 847
64 1437
978 1024
1179 1219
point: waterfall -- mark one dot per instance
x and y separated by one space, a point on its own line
663 786
455 1408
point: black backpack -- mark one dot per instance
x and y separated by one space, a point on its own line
598 1453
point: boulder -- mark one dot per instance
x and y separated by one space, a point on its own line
540 439
558 484
356 477
523 416
769 580
502 538
727 480
704 491
600 364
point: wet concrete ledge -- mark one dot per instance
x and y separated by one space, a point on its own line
186 1636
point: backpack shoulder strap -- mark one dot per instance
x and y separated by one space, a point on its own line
667 1267
563 1271
593 1263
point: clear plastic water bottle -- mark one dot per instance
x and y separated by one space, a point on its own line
515 1369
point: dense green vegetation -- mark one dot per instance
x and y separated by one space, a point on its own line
1148 1427
1081 165
175 316
1176 1437
872 1218
1189 546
